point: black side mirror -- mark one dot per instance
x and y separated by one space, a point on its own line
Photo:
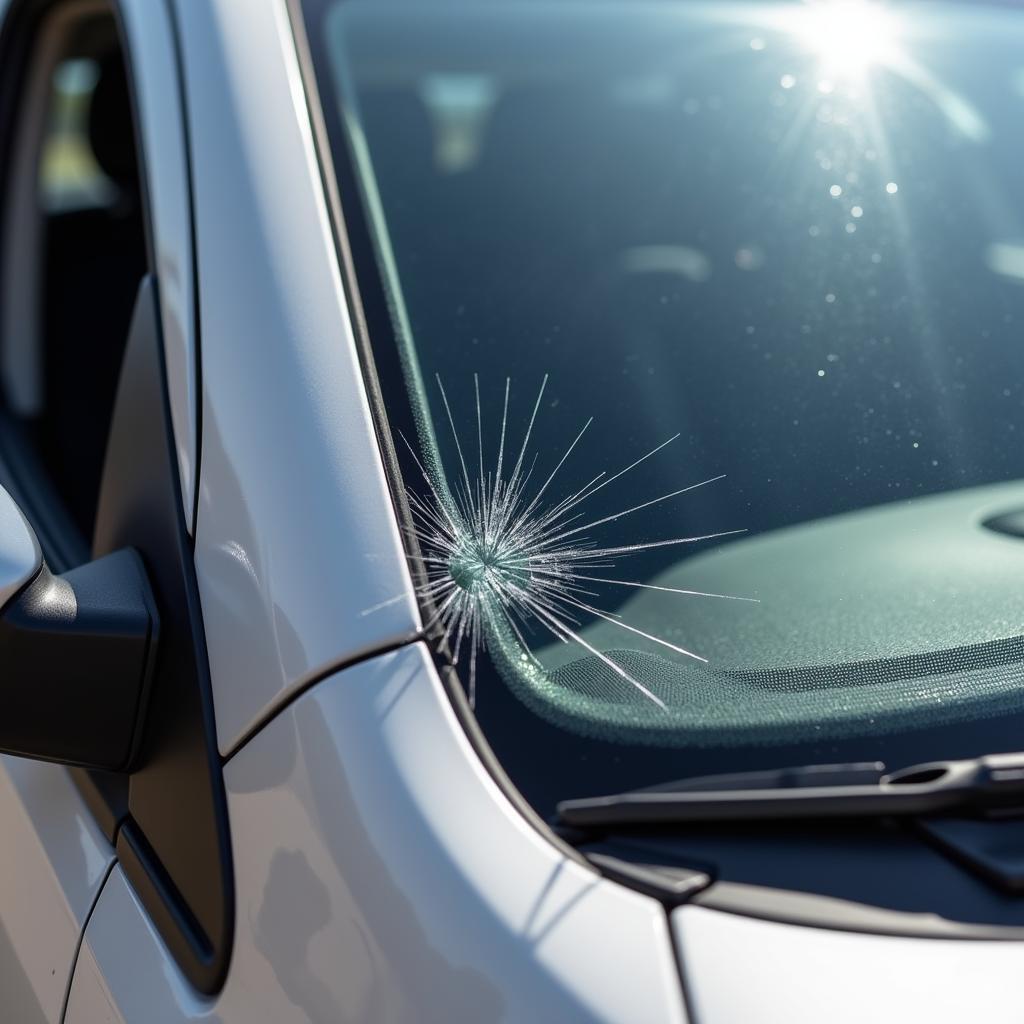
76 652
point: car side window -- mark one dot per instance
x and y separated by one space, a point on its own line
75 251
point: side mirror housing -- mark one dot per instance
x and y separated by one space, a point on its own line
76 652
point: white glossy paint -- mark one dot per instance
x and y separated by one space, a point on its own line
738 969
150 39
299 560
53 860
382 877
20 557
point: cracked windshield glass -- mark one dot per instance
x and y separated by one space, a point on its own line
699 330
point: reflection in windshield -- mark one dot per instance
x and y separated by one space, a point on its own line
791 234
849 37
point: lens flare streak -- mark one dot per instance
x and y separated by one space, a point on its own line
494 551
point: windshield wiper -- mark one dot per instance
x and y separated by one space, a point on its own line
992 784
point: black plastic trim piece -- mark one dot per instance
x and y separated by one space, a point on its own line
164 902
667 884
785 906
993 849
176 800
342 226
78 653
646 865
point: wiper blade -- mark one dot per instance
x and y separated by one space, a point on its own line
991 784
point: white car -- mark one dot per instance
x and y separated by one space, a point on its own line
511 511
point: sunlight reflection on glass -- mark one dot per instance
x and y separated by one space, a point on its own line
848 36
851 38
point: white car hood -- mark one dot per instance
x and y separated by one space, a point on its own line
741 970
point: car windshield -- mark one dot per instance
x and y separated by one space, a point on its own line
707 331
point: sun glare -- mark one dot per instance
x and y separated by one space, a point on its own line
848 36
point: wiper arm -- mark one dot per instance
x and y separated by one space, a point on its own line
993 784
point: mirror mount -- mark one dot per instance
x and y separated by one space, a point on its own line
76 652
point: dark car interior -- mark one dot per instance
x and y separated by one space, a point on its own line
79 260
95 259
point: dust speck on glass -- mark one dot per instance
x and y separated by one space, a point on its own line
791 234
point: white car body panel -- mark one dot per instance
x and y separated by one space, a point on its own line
739 969
53 860
382 876
150 37
298 555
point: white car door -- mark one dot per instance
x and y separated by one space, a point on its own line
97 446
53 859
